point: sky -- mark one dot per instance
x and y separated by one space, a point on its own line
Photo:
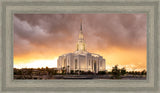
40 38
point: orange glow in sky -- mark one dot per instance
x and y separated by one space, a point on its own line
40 38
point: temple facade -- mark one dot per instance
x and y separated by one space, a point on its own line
81 60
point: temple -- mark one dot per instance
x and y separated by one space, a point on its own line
81 60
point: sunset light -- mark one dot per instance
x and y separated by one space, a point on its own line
38 64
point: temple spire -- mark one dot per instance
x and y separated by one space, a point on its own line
81 25
81 36
81 41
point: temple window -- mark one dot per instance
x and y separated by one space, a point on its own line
76 64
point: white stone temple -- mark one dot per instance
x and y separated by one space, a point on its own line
81 60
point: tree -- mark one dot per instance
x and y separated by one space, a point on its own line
143 72
63 70
89 72
46 68
72 72
54 72
115 72
123 71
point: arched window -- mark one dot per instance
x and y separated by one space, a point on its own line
101 63
65 63
76 64
95 66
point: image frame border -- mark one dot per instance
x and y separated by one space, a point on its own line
3 79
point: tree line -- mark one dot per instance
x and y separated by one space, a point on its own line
115 72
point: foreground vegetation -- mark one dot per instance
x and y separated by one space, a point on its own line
52 73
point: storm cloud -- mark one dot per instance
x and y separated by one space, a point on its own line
61 30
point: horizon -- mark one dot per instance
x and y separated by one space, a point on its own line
106 69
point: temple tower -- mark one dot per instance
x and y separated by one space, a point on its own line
81 42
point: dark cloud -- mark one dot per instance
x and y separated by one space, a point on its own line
57 32
122 30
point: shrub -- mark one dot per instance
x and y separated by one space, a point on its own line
101 72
